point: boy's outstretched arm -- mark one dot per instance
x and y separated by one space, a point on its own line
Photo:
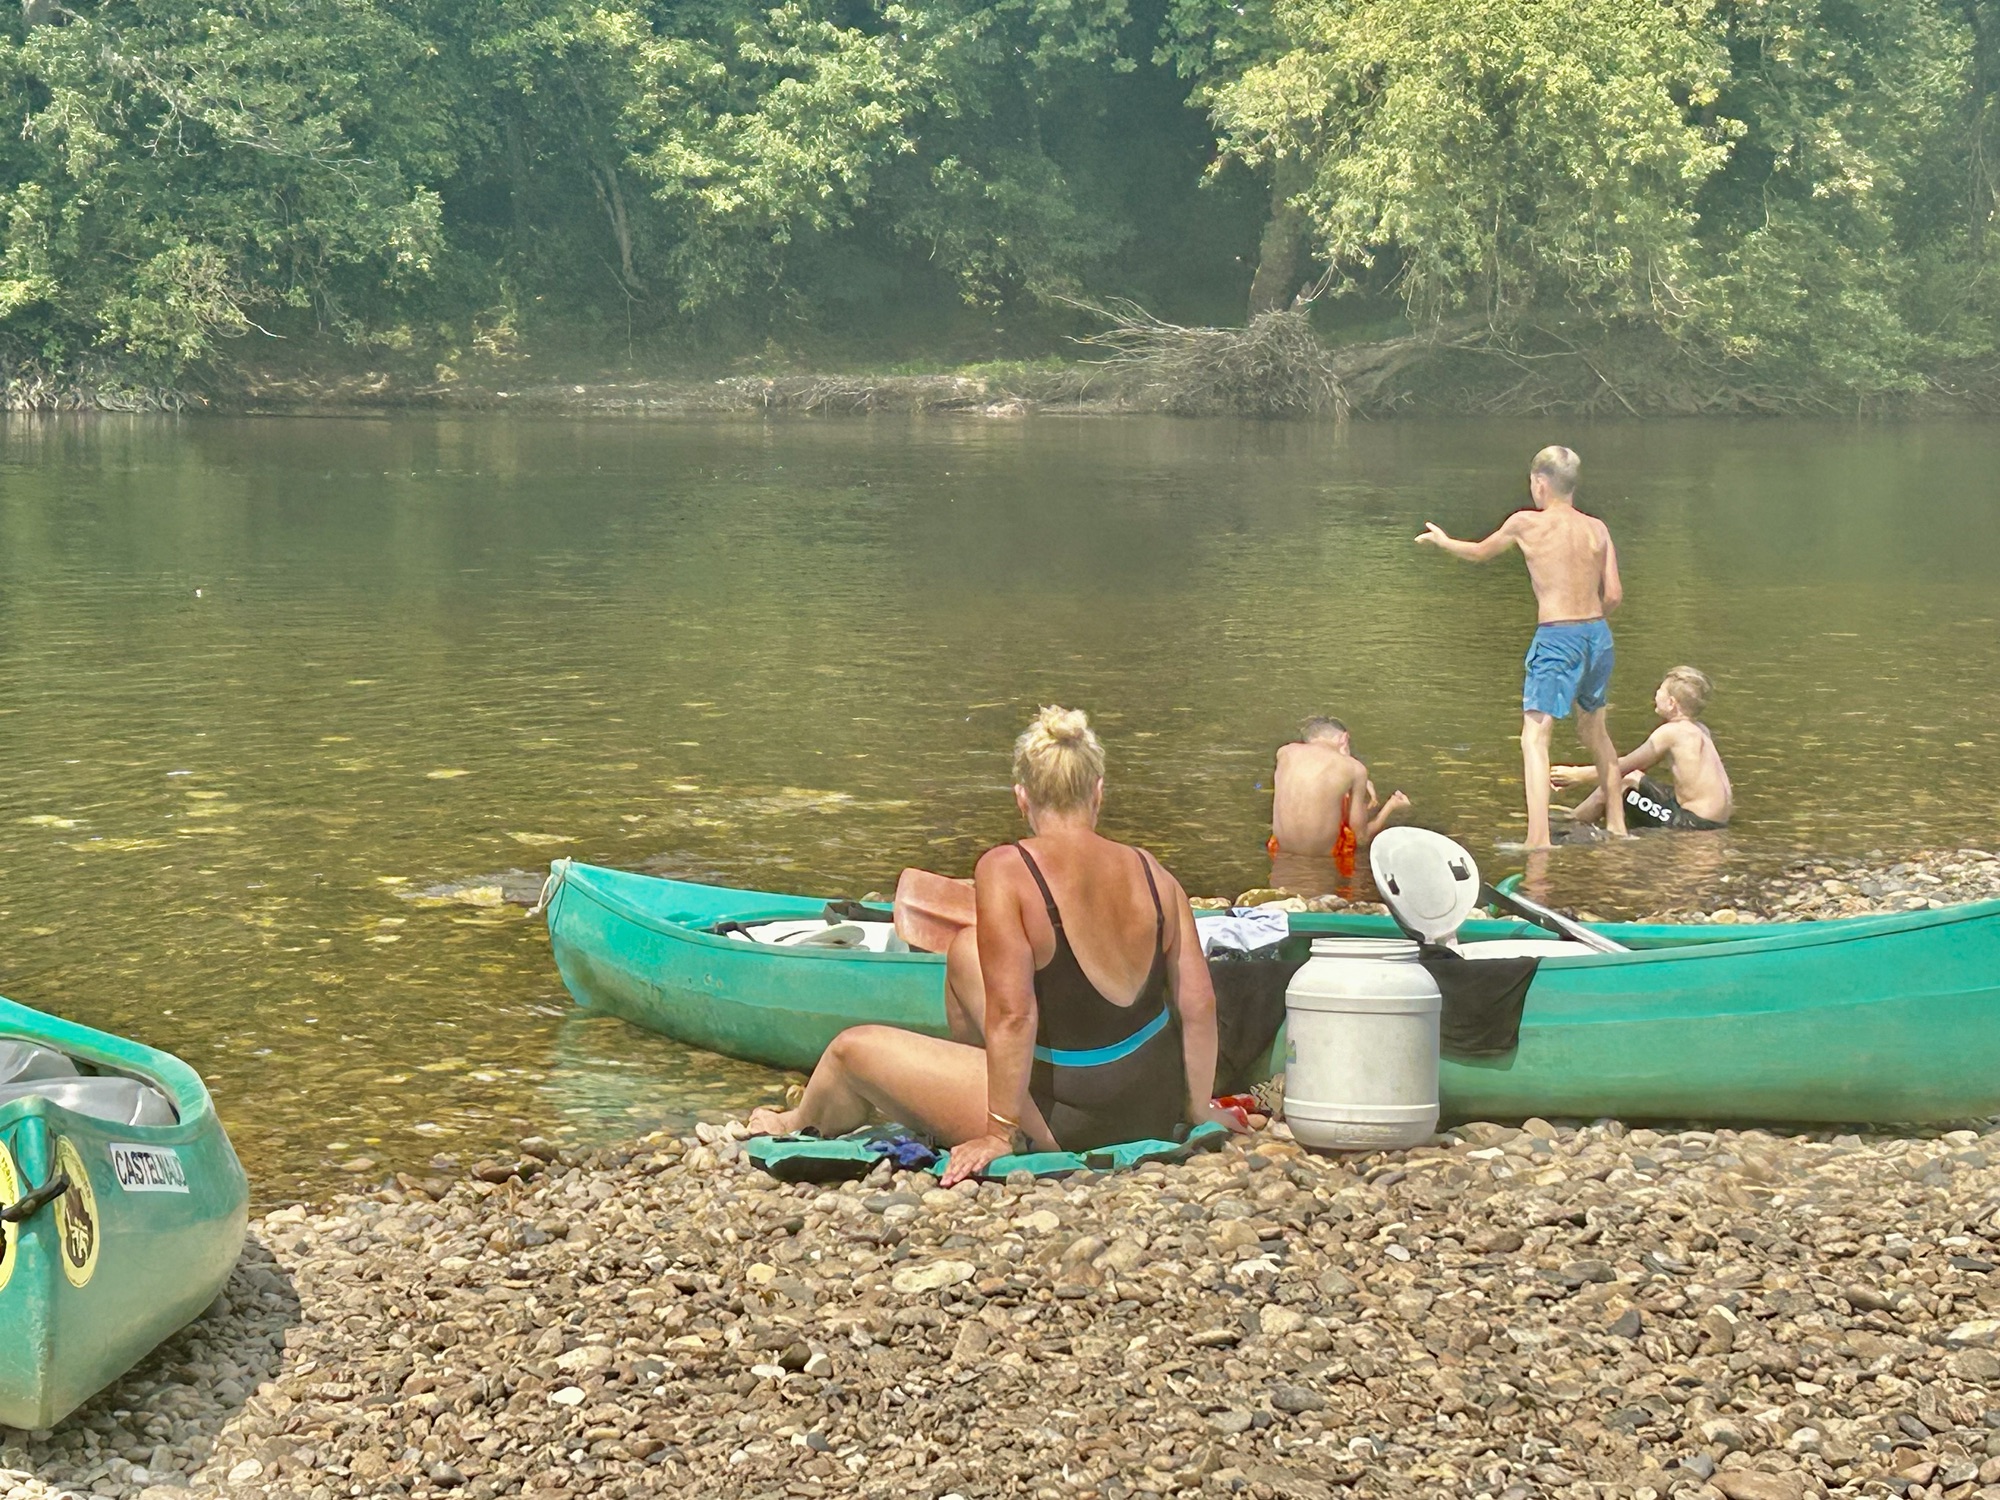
1612 587
1480 551
1642 759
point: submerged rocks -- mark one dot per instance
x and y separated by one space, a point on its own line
1545 1313
1810 890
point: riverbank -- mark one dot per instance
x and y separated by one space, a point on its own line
1554 1310
1559 1310
1006 391
1275 367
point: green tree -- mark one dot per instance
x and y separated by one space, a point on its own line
1493 158
1847 181
721 142
188 171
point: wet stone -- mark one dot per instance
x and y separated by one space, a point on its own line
1295 1399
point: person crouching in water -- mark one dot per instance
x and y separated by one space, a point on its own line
1322 803
1700 797
1090 993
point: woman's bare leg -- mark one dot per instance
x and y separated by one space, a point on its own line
965 989
932 1085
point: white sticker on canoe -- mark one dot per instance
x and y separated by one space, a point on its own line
148 1169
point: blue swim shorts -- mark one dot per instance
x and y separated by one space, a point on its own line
1569 662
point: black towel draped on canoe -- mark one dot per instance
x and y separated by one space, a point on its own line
1481 1017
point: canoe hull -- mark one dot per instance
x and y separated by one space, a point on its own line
98 1279
1883 1019
629 945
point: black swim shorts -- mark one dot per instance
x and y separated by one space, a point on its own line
1650 805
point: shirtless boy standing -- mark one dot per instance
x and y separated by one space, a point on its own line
1574 569
1322 803
1700 797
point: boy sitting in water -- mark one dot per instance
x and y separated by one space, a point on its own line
1700 796
1323 803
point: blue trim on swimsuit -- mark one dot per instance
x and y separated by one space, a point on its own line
1096 1057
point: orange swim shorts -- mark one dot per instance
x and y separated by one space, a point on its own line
1342 853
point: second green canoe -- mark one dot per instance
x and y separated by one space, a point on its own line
1877 1019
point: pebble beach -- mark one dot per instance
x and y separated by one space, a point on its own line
1514 1311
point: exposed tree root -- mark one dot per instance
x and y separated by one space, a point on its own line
93 386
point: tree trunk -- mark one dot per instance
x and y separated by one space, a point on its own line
37 12
517 186
1983 16
1282 252
612 198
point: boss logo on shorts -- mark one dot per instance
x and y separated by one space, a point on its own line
1638 802
148 1169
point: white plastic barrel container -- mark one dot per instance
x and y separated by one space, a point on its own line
1361 1067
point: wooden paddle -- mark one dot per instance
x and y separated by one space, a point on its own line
932 909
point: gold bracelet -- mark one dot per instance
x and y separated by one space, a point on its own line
1017 1138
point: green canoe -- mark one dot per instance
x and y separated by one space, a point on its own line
1883 1019
126 1204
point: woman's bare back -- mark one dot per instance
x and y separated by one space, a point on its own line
1107 909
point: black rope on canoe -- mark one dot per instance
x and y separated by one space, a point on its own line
844 910
26 1208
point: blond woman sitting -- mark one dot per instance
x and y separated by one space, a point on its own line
1081 993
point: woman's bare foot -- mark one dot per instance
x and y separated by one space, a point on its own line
768 1121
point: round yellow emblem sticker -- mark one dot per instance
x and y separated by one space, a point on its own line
76 1216
10 1190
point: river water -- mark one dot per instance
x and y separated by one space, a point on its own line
262 681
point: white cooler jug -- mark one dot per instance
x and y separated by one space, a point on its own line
1361 1068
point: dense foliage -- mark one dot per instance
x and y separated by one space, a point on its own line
1789 195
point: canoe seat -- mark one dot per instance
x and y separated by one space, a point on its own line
21 1061
122 1101
817 932
1526 948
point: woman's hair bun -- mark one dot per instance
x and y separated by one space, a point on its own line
1066 726
1058 760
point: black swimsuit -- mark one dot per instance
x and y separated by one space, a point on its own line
1103 1072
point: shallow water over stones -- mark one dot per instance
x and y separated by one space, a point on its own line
263 681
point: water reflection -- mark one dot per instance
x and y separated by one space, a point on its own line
263 681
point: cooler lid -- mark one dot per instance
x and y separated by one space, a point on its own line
1364 947
1430 883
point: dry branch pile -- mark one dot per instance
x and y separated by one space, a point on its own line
1275 367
